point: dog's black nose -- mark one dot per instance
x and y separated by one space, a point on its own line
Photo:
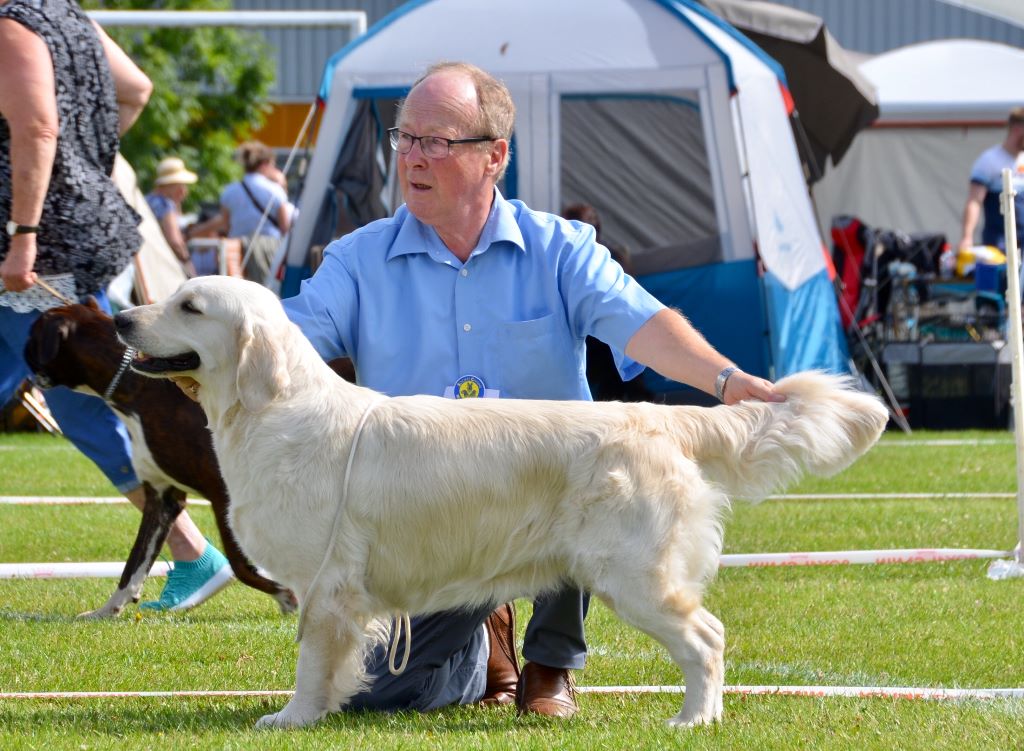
122 322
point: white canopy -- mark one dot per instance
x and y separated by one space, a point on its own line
942 103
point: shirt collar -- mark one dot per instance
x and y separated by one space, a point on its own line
416 237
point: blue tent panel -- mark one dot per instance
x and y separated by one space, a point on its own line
808 332
724 302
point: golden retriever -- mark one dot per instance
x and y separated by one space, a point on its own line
438 504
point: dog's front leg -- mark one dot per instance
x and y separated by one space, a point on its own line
324 645
159 512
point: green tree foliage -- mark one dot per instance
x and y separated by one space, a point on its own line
210 90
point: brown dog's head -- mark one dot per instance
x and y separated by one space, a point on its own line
64 343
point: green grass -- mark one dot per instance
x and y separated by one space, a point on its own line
926 625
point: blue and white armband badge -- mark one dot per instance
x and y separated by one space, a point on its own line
470 387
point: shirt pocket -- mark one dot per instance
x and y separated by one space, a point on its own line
535 359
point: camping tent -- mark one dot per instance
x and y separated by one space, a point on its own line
942 103
656 112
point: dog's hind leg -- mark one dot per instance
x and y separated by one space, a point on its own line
696 641
159 512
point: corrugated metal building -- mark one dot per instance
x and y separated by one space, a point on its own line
875 26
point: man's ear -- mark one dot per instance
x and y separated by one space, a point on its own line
498 155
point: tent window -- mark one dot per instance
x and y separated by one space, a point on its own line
642 162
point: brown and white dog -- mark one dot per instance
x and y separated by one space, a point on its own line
172 453
438 504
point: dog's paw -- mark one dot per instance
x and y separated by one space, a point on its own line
686 720
289 717
107 611
287 601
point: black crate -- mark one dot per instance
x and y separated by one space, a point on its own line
951 386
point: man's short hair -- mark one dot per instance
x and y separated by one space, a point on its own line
497 110
1016 116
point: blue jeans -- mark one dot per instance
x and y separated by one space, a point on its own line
85 419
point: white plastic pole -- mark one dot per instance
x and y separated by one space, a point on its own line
354 19
1013 303
64 570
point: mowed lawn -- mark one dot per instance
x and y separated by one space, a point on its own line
936 625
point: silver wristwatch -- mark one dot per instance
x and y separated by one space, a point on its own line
722 379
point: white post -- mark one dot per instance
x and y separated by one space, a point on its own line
1013 303
354 19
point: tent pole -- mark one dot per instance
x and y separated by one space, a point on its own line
287 166
1013 305
894 409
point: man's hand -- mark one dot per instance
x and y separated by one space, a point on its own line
742 386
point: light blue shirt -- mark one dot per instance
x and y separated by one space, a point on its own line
415 320
245 213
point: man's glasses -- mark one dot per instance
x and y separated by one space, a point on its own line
434 147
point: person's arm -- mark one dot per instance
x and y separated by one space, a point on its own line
972 212
132 86
284 218
29 105
172 233
671 345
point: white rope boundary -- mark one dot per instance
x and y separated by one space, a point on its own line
859 692
34 500
113 569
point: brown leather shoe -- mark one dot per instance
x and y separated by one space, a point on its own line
546 691
502 665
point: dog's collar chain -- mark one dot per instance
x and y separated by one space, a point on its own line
126 359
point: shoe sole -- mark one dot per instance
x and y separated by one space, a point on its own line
213 585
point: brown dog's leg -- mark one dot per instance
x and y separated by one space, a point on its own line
159 513
244 571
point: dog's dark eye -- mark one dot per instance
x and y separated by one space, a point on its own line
188 307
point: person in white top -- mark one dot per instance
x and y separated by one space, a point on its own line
986 183
254 211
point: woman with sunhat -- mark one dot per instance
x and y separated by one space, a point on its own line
169 191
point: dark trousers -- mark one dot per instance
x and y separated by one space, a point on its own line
448 662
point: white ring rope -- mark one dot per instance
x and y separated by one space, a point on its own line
113 569
861 692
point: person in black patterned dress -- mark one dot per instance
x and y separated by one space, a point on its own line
67 93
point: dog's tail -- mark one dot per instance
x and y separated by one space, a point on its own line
752 449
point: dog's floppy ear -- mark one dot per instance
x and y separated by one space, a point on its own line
262 368
48 333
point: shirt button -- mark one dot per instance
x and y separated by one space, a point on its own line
466 327
464 272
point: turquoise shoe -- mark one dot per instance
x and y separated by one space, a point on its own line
192 583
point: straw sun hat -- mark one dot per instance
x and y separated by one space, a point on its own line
171 171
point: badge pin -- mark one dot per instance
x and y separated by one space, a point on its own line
469 387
